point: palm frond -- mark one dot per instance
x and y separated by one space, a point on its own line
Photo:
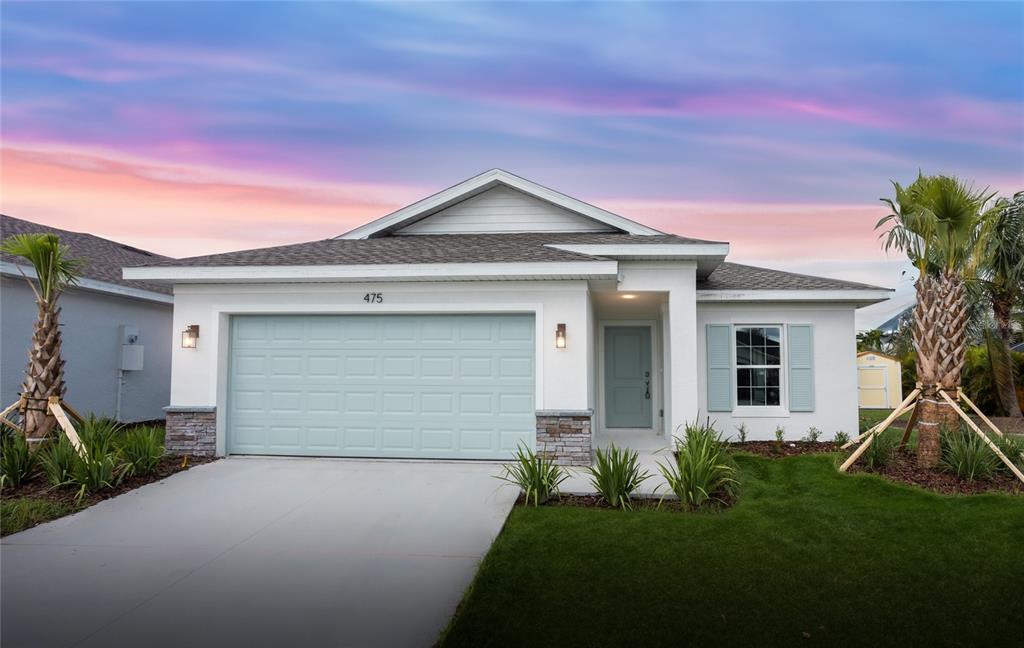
55 268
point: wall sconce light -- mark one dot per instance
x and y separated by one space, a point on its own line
190 336
560 336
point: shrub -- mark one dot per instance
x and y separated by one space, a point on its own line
99 431
1011 447
98 467
140 449
780 436
703 471
58 459
965 454
881 451
842 437
813 434
537 475
17 461
616 474
742 429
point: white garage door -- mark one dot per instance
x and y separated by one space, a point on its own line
436 386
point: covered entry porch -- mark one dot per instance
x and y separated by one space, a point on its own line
629 377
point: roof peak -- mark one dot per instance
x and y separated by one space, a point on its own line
482 182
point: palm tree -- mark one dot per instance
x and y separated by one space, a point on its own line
44 377
1001 272
935 221
873 340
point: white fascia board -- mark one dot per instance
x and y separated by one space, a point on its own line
95 285
484 181
862 296
377 272
647 251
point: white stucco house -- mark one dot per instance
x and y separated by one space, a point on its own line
115 332
495 313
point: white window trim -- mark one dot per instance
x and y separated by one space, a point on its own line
762 411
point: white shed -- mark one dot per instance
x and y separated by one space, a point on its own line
879 380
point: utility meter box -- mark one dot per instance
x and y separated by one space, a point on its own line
132 351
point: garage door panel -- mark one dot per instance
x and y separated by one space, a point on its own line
439 386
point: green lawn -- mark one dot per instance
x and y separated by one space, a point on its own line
869 417
851 560
19 513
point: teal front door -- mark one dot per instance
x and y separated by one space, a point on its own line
627 377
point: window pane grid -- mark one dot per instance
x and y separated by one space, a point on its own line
758 366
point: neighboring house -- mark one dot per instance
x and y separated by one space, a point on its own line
879 380
887 316
115 332
495 313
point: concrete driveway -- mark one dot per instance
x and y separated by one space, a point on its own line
258 552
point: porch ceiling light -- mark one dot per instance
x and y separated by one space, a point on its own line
629 296
560 336
190 336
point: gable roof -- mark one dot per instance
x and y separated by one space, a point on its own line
103 258
480 183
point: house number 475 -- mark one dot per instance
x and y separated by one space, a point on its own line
373 298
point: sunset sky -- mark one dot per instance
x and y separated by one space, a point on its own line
192 128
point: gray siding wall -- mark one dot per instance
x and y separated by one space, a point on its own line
91 349
503 210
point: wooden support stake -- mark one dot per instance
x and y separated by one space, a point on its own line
993 447
10 408
910 428
11 424
857 453
65 424
7 410
72 413
893 415
977 411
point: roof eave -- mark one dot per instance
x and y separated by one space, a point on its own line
92 285
858 296
707 255
377 272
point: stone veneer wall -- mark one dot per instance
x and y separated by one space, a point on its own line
565 436
191 431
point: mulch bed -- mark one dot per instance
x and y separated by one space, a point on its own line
772 449
902 468
39 488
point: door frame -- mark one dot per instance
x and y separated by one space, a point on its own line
657 418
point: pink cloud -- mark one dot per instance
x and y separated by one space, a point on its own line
768 231
183 211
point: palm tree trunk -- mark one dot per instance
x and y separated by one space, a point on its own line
44 376
1002 308
952 338
930 324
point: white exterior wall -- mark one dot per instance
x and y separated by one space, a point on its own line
91 349
502 210
199 377
835 368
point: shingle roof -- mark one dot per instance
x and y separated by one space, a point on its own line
735 276
103 258
437 248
